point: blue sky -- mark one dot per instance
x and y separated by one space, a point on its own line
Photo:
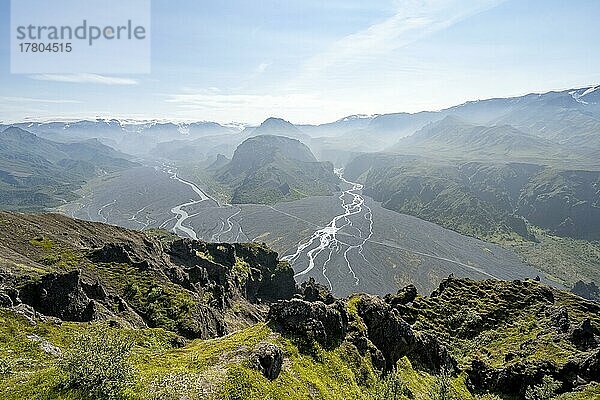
317 61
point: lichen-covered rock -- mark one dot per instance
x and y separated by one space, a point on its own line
268 359
395 338
581 370
583 336
315 321
45 345
430 354
234 270
386 329
59 295
560 319
404 296
366 347
311 290
515 378
127 253
5 300
205 323
512 380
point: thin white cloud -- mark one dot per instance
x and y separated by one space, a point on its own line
10 99
254 108
230 101
262 67
414 20
85 78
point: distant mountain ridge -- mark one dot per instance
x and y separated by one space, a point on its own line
569 116
36 173
128 136
457 138
484 199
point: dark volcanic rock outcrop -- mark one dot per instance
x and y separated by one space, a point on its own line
311 290
228 270
83 271
315 321
268 359
395 338
375 328
513 380
60 295
583 336
404 296
386 329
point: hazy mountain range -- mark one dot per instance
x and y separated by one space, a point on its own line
570 117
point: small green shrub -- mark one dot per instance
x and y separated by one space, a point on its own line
97 364
465 322
5 366
544 391
443 387
390 387
42 242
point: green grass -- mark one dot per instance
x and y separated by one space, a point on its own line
351 307
509 321
220 364
44 243
241 269
219 368
565 260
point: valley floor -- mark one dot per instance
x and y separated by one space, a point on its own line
371 249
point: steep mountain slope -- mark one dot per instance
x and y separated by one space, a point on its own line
85 271
484 199
444 193
566 202
267 169
88 310
36 173
455 138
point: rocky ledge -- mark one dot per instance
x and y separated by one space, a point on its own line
81 271
401 325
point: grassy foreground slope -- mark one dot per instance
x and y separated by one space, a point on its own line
33 353
91 311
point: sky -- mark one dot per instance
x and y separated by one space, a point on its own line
310 61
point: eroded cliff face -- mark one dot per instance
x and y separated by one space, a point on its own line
82 271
